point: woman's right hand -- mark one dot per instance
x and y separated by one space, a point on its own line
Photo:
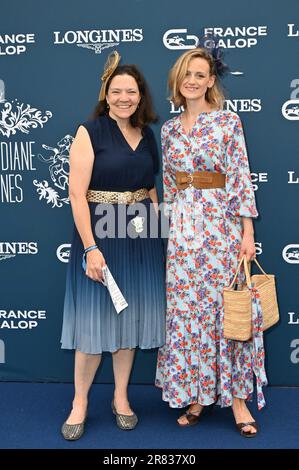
95 261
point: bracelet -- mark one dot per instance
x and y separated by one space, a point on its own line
90 248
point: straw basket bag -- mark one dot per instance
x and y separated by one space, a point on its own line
238 303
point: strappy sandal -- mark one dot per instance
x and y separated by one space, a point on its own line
241 426
192 418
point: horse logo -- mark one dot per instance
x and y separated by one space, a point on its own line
59 168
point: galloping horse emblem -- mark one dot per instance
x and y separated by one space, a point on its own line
59 167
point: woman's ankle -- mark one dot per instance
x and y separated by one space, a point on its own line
195 407
80 402
239 402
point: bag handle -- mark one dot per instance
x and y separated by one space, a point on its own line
248 281
261 269
247 269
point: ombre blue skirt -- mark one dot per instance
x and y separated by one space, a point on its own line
137 263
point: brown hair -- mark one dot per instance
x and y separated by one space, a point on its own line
214 95
144 114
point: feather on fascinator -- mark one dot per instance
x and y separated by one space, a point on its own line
210 43
111 64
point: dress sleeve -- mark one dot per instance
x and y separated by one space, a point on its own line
169 184
240 193
152 143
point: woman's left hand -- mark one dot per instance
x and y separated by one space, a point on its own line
248 247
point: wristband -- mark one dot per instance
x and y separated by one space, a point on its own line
90 248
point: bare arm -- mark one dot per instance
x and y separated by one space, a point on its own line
248 246
81 163
154 197
248 226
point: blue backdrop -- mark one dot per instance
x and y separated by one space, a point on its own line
51 58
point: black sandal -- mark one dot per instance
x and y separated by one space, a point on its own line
192 418
241 426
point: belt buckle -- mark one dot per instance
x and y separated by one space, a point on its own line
189 180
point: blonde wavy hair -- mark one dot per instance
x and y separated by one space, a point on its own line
214 95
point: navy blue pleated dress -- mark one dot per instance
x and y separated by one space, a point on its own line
90 322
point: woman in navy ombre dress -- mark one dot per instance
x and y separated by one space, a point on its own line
114 152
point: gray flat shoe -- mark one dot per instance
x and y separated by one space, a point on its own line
72 432
124 422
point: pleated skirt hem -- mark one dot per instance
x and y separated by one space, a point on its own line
111 349
90 322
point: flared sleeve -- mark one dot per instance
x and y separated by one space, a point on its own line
240 193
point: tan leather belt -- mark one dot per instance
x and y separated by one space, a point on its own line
113 197
200 180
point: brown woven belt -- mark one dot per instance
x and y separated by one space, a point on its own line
200 180
113 197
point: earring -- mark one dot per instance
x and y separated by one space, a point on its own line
108 106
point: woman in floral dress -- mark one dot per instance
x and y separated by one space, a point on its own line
210 229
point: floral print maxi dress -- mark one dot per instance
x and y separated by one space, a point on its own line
197 364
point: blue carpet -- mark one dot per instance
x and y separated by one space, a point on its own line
31 415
